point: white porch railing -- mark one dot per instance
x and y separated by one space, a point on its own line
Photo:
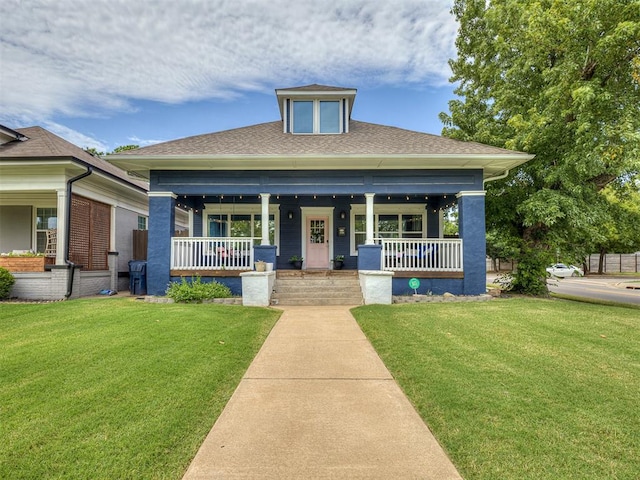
423 254
211 253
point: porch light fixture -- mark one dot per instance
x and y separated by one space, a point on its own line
290 214
343 215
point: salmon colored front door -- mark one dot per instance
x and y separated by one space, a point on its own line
317 242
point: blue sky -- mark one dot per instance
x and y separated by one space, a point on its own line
104 73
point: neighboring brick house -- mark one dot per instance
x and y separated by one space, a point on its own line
43 178
318 184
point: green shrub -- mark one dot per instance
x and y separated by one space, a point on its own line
196 291
6 282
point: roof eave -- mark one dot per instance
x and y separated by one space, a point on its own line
71 162
492 165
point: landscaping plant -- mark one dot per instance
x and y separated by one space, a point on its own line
195 291
6 282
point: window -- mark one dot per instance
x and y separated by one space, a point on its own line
388 226
240 220
360 230
46 218
142 222
411 226
240 225
329 117
317 116
302 117
409 223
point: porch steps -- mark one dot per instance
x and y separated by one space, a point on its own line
317 287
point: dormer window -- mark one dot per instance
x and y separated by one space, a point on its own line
315 116
316 109
302 117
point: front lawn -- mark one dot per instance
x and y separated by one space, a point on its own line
114 388
520 388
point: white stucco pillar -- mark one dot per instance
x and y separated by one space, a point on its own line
369 218
61 225
265 218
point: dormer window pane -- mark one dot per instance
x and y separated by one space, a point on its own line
329 117
303 117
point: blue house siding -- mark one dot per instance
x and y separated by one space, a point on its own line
317 182
161 229
472 231
435 286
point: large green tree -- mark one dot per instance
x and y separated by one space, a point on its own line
558 79
621 233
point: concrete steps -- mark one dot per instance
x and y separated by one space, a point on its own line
317 287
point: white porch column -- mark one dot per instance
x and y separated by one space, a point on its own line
265 218
61 225
369 218
191 223
112 240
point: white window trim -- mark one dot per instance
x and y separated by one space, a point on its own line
342 103
386 209
241 209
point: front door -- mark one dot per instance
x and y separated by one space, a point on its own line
317 242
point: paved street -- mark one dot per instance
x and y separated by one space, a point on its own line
613 289
608 288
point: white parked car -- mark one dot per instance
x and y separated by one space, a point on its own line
562 270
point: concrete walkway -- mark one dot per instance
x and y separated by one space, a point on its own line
317 402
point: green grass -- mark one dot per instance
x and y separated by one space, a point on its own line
114 388
520 388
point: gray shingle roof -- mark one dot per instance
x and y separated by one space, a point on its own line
43 145
315 88
363 138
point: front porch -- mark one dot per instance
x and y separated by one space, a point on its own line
437 263
235 222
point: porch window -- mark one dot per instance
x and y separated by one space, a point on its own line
46 218
240 225
391 221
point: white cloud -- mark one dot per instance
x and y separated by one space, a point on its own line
79 139
81 58
141 142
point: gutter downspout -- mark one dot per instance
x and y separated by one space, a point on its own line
499 177
69 263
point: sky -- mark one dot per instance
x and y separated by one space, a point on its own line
106 73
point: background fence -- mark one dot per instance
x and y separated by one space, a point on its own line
615 263
612 263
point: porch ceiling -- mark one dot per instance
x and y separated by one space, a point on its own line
492 165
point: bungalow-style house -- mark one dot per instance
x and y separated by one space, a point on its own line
317 184
75 210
